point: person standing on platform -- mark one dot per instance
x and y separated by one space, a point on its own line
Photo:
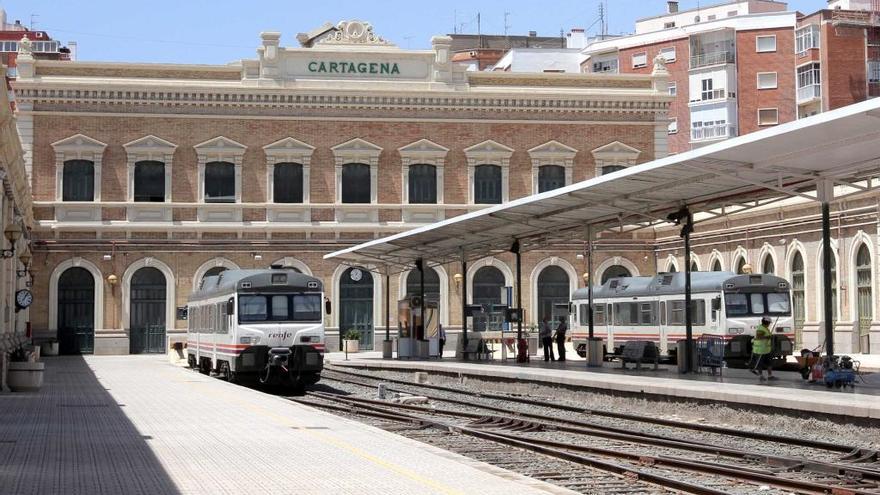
442 335
547 340
761 347
561 330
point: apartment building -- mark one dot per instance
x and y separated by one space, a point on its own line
741 66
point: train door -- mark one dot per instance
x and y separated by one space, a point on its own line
609 324
661 324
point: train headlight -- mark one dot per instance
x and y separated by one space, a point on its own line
735 331
782 329
309 338
249 340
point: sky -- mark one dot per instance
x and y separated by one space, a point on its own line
222 31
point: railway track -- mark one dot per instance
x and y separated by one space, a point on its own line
665 456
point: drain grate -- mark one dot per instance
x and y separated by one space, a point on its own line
83 405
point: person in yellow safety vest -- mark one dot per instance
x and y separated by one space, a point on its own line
761 350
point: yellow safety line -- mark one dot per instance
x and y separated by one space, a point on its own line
284 421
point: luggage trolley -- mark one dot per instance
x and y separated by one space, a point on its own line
710 352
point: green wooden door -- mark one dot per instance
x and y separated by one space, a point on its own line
76 311
147 323
356 306
864 300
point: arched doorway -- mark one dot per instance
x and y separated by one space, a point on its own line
432 284
76 311
488 282
615 271
553 288
798 297
356 305
147 314
864 302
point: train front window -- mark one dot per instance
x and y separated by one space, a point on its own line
280 306
307 307
737 304
778 303
757 301
252 308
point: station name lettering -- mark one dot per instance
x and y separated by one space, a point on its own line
354 67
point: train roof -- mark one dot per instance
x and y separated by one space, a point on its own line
673 283
231 281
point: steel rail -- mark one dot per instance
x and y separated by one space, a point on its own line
727 471
796 441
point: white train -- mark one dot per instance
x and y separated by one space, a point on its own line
652 308
264 324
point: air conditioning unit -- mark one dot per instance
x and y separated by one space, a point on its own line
473 54
39 35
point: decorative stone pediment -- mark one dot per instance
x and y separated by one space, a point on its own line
552 152
356 150
220 148
488 152
79 143
616 152
289 150
149 148
423 151
353 32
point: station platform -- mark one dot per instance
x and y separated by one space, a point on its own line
731 386
140 425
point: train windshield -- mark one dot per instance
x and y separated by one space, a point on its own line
757 304
279 308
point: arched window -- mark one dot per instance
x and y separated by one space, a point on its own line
219 182
550 177
740 266
76 311
553 288
212 272
864 301
432 283
716 265
798 296
487 184
615 271
287 183
78 181
672 268
768 266
356 305
356 183
487 285
611 168
694 267
422 184
149 181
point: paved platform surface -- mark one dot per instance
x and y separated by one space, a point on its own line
733 385
139 425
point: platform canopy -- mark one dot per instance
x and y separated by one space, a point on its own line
808 158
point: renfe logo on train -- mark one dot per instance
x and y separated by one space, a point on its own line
280 335
354 67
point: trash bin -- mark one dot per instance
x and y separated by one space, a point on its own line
595 352
682 352
387 349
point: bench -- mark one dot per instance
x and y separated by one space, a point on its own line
478 349
640 351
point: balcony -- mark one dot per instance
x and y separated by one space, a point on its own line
711 96
712 58
708 133
809 93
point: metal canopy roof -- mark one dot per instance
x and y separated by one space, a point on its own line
840 148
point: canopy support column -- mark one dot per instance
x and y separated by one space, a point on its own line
522 354
826 194
420 329
387 307
589 282
684 215
464 299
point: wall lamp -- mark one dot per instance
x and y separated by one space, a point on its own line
13 234
26 261
457 278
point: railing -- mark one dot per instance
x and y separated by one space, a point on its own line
809 92
706 133
712 58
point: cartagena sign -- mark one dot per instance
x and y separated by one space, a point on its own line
343 67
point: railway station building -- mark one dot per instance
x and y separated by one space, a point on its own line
148 177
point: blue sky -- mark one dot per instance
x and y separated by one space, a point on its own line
221 31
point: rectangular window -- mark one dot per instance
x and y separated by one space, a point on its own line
673 127
220 182
599 314
806 38
646 313
639 60
768 116
307 307
662 312
668 25
78 181
736 304
224 321
605 66
767 80
809 75
280 309
765 43
626 314
779 303
732 13
874 72
672 88
252 308
668 53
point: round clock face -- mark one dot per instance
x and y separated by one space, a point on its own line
23 298
356 274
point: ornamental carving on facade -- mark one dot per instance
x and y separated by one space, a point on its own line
354 33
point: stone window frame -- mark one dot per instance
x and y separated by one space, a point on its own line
288 150
78 147
149 148
422 152
220 149
358 150
552 153
615 153
489 152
